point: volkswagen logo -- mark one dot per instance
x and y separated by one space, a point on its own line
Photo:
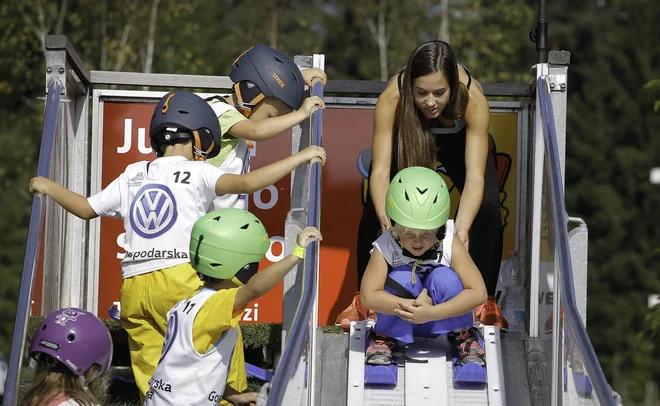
153 211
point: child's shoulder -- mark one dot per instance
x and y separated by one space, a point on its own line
386 244
386 236
220 106
139 164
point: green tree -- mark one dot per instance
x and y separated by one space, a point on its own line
611 145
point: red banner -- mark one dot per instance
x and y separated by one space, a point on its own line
347 136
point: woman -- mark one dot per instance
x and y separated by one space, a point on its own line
434 111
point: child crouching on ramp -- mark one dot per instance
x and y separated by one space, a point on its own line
420 285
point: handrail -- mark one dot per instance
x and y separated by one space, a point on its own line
571 314
32 247
300 324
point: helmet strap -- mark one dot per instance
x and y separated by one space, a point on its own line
246 106
199 242
245 274
198 153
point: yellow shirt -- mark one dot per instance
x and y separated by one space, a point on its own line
215 317
227 120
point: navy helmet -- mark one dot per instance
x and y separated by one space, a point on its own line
261 72
181 115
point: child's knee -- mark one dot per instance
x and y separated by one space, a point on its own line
403 276
444 283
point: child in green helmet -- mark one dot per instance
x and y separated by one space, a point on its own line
420 285
225 249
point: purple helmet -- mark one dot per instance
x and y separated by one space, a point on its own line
76 338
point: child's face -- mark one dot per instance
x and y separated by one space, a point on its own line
269 107
417 241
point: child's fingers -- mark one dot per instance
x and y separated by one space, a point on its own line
407 306
404 314
321 155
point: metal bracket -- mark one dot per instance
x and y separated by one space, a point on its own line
56 69
557 83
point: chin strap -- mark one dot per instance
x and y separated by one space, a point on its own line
198 153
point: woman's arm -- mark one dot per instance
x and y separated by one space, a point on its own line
381 150
372 289
477 120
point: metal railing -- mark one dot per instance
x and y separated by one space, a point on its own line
32 247
300 325
573 331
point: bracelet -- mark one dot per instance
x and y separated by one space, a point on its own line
299 252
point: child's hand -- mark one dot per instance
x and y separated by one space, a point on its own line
418 311
313 154
423 297
311 75
243 399
307 236
311 104
39 185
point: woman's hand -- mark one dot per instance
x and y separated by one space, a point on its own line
464 236
384 222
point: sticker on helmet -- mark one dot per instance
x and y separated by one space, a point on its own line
66 316
48 344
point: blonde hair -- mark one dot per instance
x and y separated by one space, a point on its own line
52 378
399 230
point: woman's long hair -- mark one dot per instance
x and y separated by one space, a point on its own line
53 378
413 143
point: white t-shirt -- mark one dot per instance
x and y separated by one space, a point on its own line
391 250
184 376
237 162
159 202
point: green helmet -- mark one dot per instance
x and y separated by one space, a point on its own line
224 243
418 198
